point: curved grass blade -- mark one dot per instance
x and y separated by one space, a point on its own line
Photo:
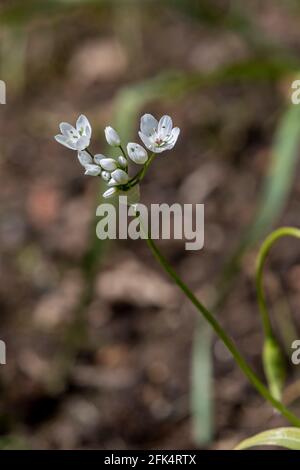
281 437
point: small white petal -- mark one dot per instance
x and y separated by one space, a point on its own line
105 175
83 126
110 192
174 136
148 124
82 143
64 140
165 126
146 141
92 170
137 153
108 164
84 158
122 161
65 128
112 137
98 157
120 176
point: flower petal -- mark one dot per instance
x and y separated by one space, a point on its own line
65 128
148 124
64 140
83 126
146 141
165 126
82 143
174 136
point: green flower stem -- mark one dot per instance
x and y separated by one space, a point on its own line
250 374
140 175
261 258
123 151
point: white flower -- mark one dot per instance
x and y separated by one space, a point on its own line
75 139
110 192
108 164
120 176
84 158
122 161
158 136
92 170
112 137
137 153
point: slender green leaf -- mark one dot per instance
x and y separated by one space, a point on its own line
202 387
281 437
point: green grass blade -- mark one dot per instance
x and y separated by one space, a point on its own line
281 437
202 388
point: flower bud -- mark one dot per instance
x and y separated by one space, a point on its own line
108 164
92 170
105 175
110 192
98 157
120 176
84 158
122 161
137 153
112 182
112 137
274 366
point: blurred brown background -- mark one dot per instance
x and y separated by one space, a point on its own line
102 350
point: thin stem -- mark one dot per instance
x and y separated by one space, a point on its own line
123 151
249 373
90 153
140 175
261 258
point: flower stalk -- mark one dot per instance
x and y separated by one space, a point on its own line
209 317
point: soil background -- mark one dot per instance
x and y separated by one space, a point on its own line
99 352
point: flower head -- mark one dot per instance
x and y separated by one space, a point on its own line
158 136
75 139
112 137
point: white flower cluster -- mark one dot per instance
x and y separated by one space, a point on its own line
157 136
